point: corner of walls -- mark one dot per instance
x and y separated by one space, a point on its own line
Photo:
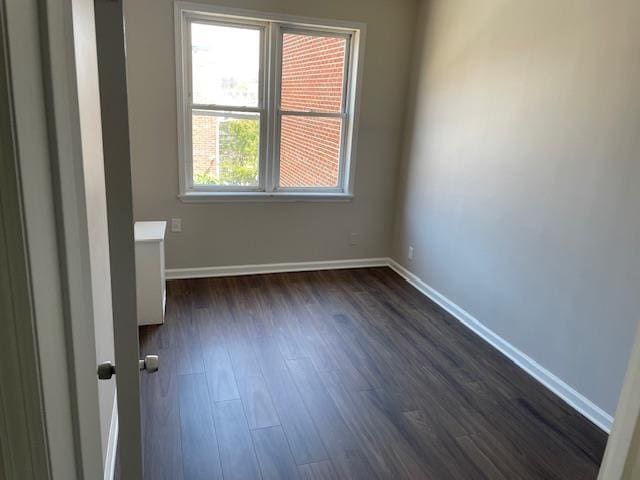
408 123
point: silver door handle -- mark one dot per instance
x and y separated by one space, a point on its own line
150 363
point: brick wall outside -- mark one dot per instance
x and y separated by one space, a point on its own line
204 142
312 78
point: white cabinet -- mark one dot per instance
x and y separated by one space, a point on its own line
150 282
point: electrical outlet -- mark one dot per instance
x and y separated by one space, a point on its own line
410 253
353 239
176 225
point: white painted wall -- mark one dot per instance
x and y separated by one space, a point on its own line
519 190
231 234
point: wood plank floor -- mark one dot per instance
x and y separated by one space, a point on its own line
339 375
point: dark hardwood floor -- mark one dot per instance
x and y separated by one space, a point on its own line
343 374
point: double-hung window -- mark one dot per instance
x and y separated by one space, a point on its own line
266 105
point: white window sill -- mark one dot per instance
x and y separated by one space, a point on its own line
262 197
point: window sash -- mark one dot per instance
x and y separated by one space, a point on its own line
226 109
243 113
344 114
346 67
268 109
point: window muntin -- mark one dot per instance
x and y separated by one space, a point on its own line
241 129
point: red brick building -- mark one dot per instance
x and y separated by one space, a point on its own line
205 144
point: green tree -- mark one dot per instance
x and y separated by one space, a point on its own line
239 144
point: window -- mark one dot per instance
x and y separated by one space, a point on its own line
265 105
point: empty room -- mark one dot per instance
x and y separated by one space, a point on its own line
339 239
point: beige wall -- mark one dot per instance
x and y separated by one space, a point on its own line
228 234
520 190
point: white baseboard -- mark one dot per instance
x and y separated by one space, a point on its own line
572 397
234 270
112 446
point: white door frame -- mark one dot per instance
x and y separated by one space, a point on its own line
622 456
36 168
22 418
48 189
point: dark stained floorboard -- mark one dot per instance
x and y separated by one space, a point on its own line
342 445
274 454
305 442
237 454
199 441
343 374
317 471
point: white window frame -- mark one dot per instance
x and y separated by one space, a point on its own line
272 27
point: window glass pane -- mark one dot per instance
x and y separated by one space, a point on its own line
225 148
312 73
225 65
309 151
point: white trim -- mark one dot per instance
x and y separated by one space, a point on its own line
293 113
235 270
45 102
263 197
572 397
112 446
23 171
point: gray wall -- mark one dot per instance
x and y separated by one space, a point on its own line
228 234
520 188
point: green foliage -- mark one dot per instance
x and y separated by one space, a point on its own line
204 178
239 144
238 147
